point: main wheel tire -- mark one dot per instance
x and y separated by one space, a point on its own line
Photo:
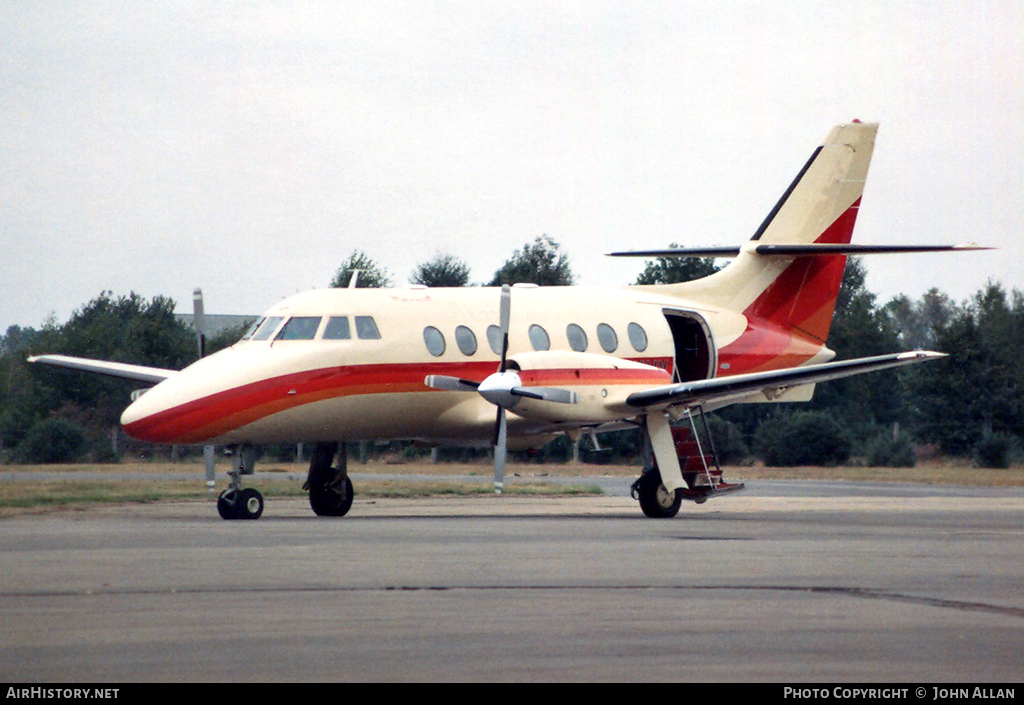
227 504
656 501
250 504
327 501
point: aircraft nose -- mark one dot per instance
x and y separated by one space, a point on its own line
132 413
133 418
157 415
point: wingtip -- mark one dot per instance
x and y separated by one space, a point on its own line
922 355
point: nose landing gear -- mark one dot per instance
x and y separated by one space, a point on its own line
236 502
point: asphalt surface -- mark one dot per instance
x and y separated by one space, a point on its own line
788 582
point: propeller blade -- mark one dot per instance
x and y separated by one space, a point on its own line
198 320
504 315
562 396
451 384
500 451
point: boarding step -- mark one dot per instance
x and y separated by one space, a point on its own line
701 471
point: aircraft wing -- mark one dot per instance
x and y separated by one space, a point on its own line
771 384
139 373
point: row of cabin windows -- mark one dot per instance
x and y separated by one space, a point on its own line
306 327
607 338
338 328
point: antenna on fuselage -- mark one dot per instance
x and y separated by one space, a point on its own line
354 279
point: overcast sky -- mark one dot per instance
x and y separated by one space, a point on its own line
250 147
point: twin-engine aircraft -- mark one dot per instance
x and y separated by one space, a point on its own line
519 365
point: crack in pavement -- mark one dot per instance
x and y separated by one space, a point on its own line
856 592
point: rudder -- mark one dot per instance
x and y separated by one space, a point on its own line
820 206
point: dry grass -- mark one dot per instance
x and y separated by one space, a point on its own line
83 485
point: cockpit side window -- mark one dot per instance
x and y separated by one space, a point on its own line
267 328
300 328
366 328
337 328
252 329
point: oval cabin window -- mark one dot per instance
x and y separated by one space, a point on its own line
637 337
434 340
466 340
539 338
607 338
577 337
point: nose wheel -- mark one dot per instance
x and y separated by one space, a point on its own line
240 504
237 502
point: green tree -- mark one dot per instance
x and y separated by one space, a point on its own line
672 270
226 338
917 323
979 389
371 274
803 438
123 329
542 263
52 441
442 270
861 329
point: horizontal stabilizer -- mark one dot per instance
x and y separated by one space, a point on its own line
798 250
771 384
139 373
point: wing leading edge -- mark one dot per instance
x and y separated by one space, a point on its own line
771 384
139 373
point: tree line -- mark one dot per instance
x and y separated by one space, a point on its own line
966 406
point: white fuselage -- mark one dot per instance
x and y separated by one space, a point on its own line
367 387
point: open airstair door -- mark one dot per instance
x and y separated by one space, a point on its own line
694 348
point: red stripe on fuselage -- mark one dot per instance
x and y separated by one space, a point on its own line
217 414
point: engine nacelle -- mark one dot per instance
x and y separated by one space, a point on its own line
602 382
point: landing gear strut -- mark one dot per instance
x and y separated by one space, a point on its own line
236 502
699 468
330 489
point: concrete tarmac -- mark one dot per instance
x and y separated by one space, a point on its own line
786 582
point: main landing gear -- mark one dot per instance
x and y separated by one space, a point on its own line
701 473
330 489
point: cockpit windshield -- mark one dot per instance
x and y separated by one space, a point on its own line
267 328
300 328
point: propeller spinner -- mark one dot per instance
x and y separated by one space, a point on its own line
504 389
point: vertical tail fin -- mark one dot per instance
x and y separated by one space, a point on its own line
820 206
